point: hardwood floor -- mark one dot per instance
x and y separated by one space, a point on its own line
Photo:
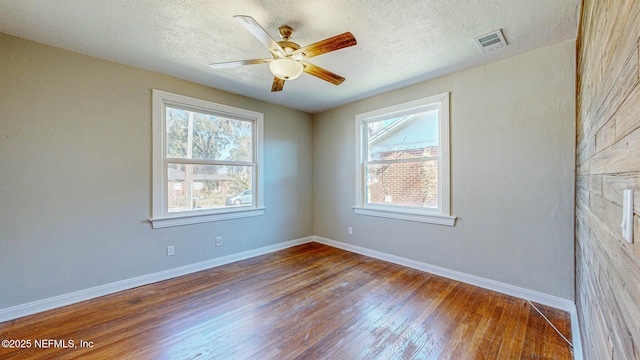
307 302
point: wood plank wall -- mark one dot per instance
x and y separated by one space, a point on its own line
608 161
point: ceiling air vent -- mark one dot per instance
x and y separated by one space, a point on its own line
491 41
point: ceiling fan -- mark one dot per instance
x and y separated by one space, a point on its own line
288 58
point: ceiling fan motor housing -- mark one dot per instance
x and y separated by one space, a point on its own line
288 47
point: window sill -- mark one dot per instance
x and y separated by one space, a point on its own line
187 219
408 216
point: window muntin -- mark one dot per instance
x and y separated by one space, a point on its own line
205 154
403 161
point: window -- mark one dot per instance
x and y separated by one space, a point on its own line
403 162
207 161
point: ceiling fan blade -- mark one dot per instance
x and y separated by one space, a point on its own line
261 34
327 45
323 74
278 84
223 65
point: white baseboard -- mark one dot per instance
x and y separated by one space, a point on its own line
534 296
576 338
34 307
15 312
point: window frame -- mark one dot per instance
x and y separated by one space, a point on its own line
441 215
160 215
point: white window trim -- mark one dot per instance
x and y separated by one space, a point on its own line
160 217
441 216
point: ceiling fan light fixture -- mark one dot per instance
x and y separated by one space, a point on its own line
285 69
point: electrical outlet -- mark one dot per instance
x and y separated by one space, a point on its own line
218 240
170 250
350 230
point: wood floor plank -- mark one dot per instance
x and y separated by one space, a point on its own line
307 302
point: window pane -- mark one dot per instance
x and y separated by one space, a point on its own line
412 183
200 187
192 135
404 137
177 127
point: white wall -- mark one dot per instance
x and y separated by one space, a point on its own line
512 161
75 175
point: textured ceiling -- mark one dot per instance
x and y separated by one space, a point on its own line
400 42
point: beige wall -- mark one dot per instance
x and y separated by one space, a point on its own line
512 160
75 175
608 157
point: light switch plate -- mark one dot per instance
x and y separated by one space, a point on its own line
627 215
